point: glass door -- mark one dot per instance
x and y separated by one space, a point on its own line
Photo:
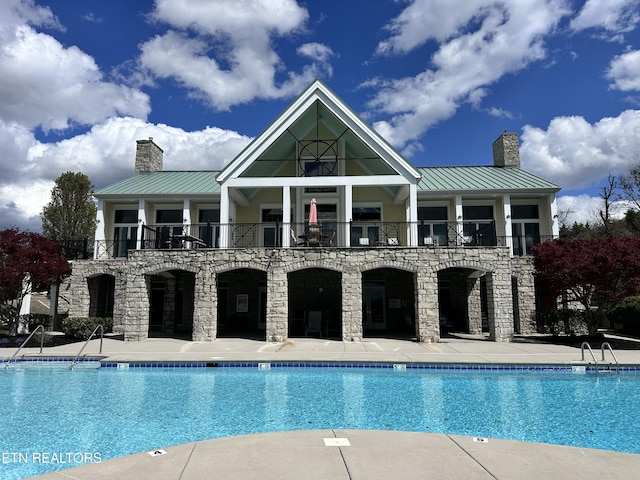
271 227
373 307
125 232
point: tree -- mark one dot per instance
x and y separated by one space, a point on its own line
609 196
70 216
632 220
27 259
596 272
630 185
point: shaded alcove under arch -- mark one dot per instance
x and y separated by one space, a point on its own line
315 290
171 303
388 303
242 304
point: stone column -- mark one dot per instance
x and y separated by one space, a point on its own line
474 305
136 311
75 289
427 306
277 304
526 296
352 306
119 292
500 305
205 305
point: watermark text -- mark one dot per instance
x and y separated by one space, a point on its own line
61 458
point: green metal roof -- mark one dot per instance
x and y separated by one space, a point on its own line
165 183
434 179
466 178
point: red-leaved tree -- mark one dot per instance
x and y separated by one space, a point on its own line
596 272
27 260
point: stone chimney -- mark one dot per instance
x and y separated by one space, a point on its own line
505 150
148 156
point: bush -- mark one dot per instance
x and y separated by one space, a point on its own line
559 322
627 315
35 319
80 328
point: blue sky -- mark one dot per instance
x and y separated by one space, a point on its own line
440 79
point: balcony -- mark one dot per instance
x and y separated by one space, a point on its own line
358 235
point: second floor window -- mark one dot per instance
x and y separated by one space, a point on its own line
479 225
432 227
125 232
525 227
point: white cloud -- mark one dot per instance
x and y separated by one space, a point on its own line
624 71
611 15
45 84
579 208
576 154
17 12
225 54
495 38
585 209
106 154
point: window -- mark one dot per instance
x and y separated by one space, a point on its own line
125 232
525 227
169 216
479 225
320 167
365 229
432 229
209 227
272 228
168 224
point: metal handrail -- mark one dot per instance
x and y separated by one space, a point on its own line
86 342
25 343
586 344
606 344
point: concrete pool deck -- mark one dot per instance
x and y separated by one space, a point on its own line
352 454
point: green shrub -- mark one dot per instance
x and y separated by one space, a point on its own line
35 319
81 327
564 321
627 315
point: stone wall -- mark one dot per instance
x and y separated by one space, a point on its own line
132 288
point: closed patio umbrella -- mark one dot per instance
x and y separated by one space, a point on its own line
313 213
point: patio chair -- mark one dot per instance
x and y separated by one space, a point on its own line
296 242
314 323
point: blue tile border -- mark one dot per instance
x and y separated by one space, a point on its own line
50 361
325 365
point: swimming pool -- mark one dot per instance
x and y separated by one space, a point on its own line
54 418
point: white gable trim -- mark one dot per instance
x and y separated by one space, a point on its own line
318 91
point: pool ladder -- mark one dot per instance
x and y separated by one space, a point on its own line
605 344
75 360
24 344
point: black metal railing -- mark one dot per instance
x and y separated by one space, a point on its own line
77 249
325 234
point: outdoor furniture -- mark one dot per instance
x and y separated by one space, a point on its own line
190 239
314 323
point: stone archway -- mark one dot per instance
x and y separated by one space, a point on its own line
101 295
242 303
388 303
315 289
171 303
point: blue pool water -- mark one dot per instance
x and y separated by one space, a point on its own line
54 418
